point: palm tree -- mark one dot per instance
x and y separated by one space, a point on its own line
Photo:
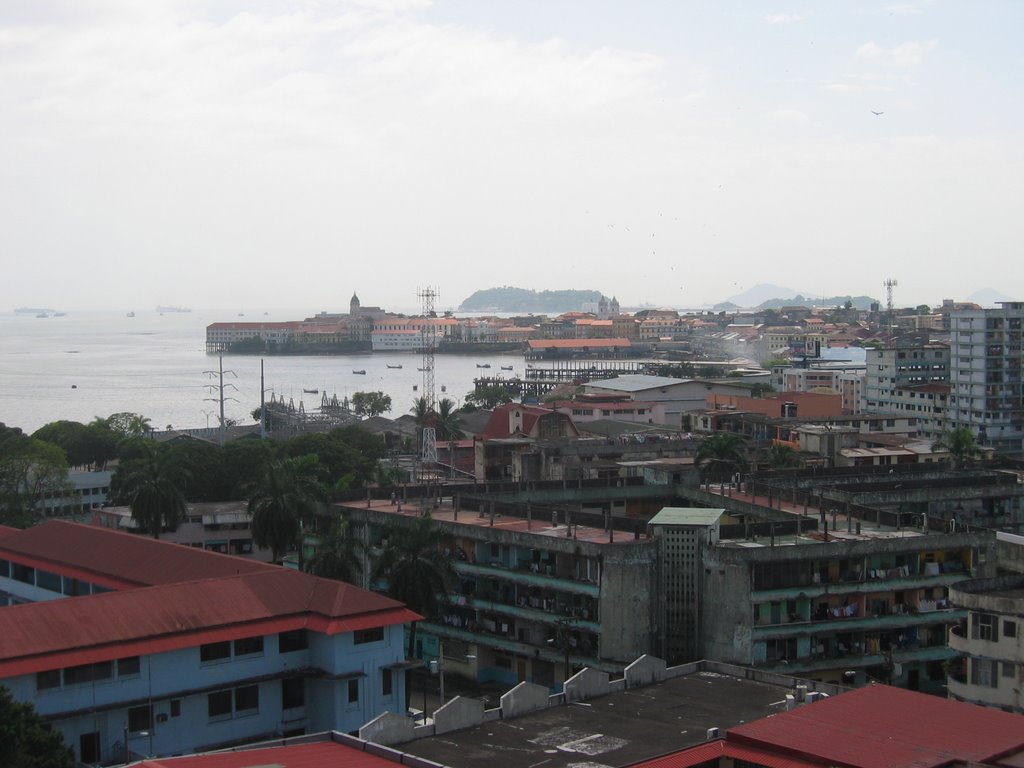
783 457
339 555
961 446
152 486
720 453
444 419
417 570
448 424
288 493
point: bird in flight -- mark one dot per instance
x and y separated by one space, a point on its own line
876 114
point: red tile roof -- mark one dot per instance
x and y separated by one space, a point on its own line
499 424
577 343
115 559
173 597
62 633
879 726
267 326
713 750
326 754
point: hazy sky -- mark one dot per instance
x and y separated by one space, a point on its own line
262 154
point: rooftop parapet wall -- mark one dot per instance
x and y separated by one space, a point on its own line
460 712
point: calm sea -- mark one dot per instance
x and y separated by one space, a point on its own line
89 364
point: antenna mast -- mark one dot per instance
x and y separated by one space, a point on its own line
889 285
428 345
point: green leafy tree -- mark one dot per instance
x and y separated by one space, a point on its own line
288 493
371 403
447 421
85 445
152 487
343 451
28 742
489 397
125 424
339 555
417 570
30 471
961 445
722 453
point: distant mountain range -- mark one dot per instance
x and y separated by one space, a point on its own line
988 297
508 299
768 296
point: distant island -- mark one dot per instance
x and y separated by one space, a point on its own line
858 302
172 309
508 299
34 311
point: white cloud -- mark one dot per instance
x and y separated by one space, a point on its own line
906 55
785 18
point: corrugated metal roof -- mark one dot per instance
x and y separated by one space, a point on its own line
686 516
717 749
879 726
635 383
326 754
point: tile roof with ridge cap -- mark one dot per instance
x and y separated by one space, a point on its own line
81 630
880 726
117 560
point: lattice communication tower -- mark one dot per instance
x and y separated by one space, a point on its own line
428 343
889 285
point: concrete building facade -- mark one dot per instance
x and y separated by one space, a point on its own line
987 349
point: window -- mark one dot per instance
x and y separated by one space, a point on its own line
1009 628
140 719
128 667
385 682
294 640
47 580
1008 669
218 705
249 646
214 652
984 626
293 693
247 699
353 691
983 672
363 636
87 673
175 707
49 678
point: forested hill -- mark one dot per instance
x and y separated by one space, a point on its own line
509 299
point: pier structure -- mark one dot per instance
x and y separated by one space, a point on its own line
539 380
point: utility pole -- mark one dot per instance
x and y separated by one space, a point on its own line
263 404
219 389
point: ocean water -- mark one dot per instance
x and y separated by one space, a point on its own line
89 364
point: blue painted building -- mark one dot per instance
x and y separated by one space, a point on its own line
164 649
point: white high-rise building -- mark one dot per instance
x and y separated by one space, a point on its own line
986 349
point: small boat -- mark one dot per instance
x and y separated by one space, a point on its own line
506 367
360 373
444 388
130 314
394 367
74 386
311 391
483 365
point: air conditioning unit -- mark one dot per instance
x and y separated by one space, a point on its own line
712 733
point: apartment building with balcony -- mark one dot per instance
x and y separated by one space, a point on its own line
900 366
847 607
536 597
986 353
991 637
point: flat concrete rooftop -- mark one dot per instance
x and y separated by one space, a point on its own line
540 525
613 730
